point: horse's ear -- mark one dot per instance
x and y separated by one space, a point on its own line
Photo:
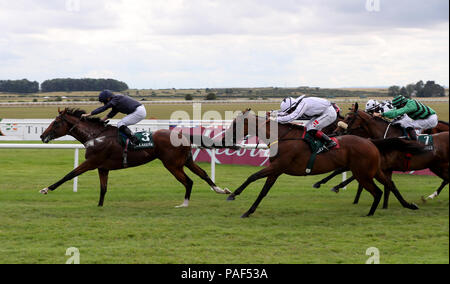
356 107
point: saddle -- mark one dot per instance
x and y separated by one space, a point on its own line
145 142
317 147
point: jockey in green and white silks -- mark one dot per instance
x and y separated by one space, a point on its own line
418 116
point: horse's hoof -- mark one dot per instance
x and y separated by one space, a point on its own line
317 185
231 198
422 198
433 196
246 215
334 189
414 207
44 191
227 191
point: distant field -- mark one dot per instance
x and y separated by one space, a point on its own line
165 111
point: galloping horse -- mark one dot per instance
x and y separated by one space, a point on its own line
441 127
356 153
362 124
103 152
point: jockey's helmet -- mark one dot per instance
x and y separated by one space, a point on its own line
371 105
399 101
104 96
288 103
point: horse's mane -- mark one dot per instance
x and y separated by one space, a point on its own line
444 122
78 112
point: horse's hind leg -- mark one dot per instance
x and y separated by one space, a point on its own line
443 174
386 179
103 174
203 175
358 194
376 192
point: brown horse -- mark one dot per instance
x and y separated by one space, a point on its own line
396 131
363 124
292 154
105 153
441 127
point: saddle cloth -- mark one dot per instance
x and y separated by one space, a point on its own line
426 140
317 147
145 140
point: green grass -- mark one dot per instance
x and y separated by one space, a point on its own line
139 224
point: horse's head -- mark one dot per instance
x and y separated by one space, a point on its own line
60 127
354 123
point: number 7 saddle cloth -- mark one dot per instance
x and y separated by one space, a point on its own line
427 141
145 140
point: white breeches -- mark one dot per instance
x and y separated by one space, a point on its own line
326 118
133 118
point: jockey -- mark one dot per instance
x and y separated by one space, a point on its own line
418 116
134 110
319 112
376 106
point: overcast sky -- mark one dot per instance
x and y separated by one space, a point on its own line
227 43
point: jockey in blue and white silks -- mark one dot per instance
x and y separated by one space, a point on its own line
134 110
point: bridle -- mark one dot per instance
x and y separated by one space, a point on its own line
352 120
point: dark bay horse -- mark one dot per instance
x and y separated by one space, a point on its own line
292 154
103 152
362 124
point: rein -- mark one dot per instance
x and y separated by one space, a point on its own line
75 126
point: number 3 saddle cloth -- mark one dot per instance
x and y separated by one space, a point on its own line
145 140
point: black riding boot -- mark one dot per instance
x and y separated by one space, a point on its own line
125 130
412 133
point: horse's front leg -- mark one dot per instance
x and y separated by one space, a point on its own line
259 175
84 167
103 175
328 178
267 186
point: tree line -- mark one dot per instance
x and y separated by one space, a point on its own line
19 86
419 89
62 85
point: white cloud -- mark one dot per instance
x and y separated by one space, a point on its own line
218 43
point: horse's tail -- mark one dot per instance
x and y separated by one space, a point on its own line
398 144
